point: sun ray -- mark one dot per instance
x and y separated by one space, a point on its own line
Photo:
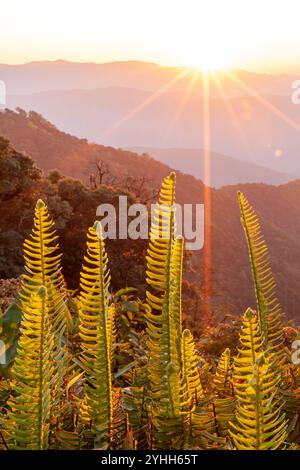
153 97
207 196
181 105
264 101
217 81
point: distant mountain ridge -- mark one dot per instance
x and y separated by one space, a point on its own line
224 170
135 103
34 77
263 131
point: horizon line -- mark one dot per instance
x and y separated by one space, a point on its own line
150 63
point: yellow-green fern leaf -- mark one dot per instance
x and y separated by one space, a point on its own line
163 318
41 253
33 374
222 379
158 318
160 246
200 429
96 329
269 309
43 266
249 350
224 404
260 422
175 304
190 368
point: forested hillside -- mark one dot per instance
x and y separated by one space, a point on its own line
139 176
51 148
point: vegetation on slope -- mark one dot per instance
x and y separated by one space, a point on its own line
70 355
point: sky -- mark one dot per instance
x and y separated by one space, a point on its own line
260 35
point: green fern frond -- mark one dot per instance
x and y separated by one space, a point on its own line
268 307
33 377
41 252
260 422
222 378
159 272
43 266
159 252
290 393
96 333
134 399
168 392
175 311
249 351
224 403
190 368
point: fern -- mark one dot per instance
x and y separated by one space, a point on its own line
222 379
164 275
200 417
224 404
41 254
96 332
171 401
268 307
135 404
190 368
158 271
43 265
290 392
33 376
260 422
250 349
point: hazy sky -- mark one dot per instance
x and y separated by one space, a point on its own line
256 34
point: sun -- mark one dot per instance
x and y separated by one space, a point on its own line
209 58
208 63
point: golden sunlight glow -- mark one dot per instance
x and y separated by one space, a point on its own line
204 34
211 59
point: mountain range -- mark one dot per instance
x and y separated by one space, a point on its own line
136 104
35 77
224 170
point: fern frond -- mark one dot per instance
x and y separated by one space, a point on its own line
222 378
96 330
134 399
43 265
268 307
190 368
158 277
249 351
260 422
200 428
224 403
33 377
159 251
290 392
41 252
168 391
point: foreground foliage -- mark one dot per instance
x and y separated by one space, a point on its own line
93 369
